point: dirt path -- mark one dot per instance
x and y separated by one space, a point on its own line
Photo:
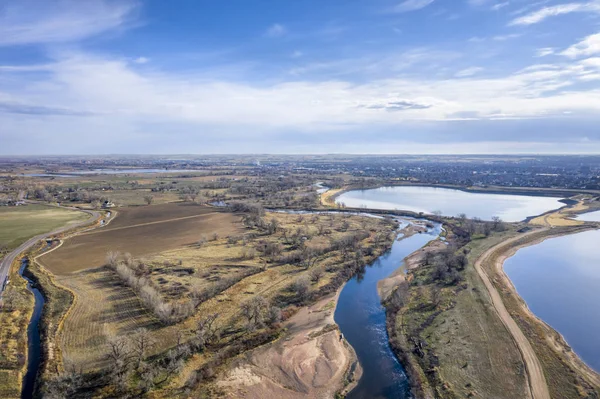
535 373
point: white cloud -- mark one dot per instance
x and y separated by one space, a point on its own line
276 30
499 6
297 54
586 47
141 60
552 11
468 72
32 21
411 5
543 52
501 38
89 87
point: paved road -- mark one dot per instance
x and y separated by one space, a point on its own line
10 258
535 373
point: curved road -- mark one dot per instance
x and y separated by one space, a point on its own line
10 258
535 372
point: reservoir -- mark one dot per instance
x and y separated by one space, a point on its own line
511 208
362 320
560 281
589 217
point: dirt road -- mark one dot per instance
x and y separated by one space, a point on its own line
535 373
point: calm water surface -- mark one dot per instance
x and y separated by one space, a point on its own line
589 217
560 281
511 208
361 318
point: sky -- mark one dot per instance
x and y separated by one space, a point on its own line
299 76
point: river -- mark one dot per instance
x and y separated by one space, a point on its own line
560 281
362 320
33 336
450 202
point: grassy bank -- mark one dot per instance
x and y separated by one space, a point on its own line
449 337
14 319
566 375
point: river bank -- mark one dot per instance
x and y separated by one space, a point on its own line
311 360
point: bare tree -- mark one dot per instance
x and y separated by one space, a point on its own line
112 259
149 199
206 331
309 256
142 342
301 287
316 274
497 223
253 309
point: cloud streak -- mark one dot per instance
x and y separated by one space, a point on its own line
31 22
553 11
411 5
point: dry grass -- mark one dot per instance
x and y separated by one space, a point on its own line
561 218
566 375
103 307
476 356
13 337
328 197
140 231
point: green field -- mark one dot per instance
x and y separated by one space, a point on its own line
17 224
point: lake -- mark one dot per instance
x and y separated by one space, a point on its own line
511 208
589 217
560 281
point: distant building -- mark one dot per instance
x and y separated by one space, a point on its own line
107 205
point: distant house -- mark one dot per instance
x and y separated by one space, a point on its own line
107 204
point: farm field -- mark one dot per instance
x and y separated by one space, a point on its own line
17 224
105 308
140 231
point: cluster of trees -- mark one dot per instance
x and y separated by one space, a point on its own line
475 226
446 265
136 276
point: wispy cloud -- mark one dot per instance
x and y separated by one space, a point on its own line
552 11
586 47
411 5
543 52
276 30
30 22
468 72
27 109
499 6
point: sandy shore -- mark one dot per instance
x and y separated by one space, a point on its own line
310 361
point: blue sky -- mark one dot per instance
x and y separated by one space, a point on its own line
240 76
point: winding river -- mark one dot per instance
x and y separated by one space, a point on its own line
560 281
362 320
451 202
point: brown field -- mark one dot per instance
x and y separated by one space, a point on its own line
104 307
141 231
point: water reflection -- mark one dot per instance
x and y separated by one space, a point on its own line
510 208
